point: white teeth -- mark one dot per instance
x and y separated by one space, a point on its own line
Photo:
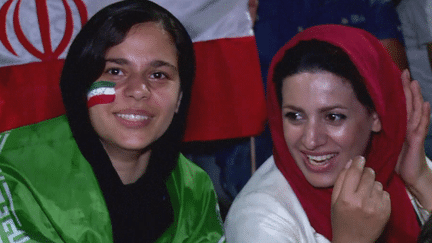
132 117
320 159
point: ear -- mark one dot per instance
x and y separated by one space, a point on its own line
179 102
376 122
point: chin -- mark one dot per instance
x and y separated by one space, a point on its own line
132 144
136 147
323 182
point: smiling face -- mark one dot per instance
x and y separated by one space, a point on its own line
147 90
324 124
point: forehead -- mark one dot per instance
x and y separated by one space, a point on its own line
317 87
148 31
145 41
145 27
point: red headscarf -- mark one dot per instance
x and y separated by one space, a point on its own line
383 82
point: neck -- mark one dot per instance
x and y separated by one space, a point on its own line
130 165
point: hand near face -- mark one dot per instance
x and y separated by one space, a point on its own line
411 164
360 206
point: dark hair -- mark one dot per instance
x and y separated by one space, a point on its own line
425 235
315 56
86 60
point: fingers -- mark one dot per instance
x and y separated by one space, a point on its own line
372 195
377 192
406 81
417 104
353 177
339 183
425 120
425 123
418 111
422 127
360 206
379 200
377 189
367 183
356 181
406 76
419 118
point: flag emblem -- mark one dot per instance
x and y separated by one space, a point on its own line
101 92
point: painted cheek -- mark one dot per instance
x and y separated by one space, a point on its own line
101 92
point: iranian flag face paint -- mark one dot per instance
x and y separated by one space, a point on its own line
101 92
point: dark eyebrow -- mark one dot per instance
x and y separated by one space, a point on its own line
160 63
120 61
155 64
324 109
329 108
293 108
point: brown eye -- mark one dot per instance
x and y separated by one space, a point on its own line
158 75
114 71
294 116
336 117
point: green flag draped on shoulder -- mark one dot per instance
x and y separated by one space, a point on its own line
49 193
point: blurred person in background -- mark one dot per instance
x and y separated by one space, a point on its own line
416 19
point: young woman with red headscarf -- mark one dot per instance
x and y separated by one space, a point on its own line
347 164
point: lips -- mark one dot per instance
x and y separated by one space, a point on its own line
134 118
321 162
317 160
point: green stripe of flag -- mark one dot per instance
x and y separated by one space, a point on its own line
100 84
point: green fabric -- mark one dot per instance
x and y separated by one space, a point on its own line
49 193
196 211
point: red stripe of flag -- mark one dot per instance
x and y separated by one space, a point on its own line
228 95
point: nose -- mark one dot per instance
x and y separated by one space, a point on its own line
137 88
314 135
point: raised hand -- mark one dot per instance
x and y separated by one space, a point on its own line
411 164
360 206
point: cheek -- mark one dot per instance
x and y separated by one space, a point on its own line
352 138
343 134
93 114
96 117
166 100
292 134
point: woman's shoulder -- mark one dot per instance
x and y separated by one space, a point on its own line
40 147
268 209
52 130
195 205
46 177
269 181
188 180
190 172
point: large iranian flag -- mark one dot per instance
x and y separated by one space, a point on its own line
34 38
227 97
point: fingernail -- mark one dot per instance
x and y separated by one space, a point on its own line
348 164
379 185
361 162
